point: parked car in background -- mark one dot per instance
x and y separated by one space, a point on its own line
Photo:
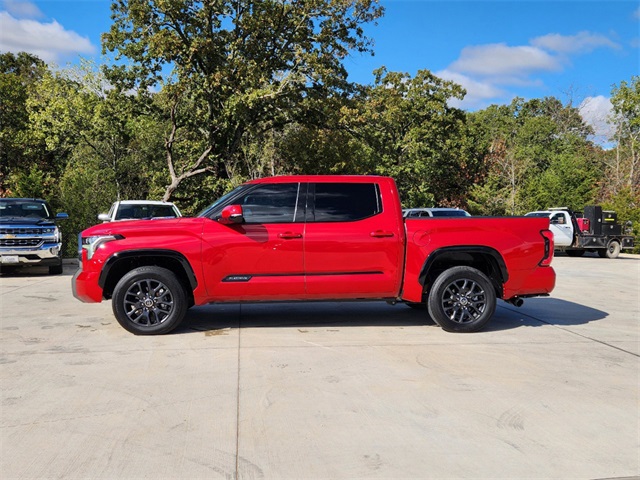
140 210
29 235
434 212
595 230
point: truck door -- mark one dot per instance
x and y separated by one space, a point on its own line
562 228
354 243
260 259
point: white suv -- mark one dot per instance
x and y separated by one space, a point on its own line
140 210
434 212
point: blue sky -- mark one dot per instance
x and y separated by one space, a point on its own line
573 50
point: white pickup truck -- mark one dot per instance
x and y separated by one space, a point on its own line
139 210
595 230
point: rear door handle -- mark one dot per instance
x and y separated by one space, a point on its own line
289 235
381 233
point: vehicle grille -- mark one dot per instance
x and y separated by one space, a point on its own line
21 242
23 231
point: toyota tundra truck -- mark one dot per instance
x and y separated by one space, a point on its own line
29 235
297 238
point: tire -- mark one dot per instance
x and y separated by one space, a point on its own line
8 270
55 269
462 299
613 249
149 301
575 253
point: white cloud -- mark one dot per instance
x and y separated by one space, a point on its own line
595 111
479 93
49 41
21 9
500 59
483 69
583 42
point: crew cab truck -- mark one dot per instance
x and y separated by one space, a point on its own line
296 238
595 230
29 235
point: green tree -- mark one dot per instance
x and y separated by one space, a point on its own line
20 154
75 109
624 170
231 67
530 146
412 134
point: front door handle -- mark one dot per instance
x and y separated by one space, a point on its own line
381 233
289 235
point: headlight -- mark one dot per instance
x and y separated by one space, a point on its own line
91 244
54 232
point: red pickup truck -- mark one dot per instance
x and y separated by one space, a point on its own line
313 238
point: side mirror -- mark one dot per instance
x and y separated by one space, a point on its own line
104 217
231 214
61 216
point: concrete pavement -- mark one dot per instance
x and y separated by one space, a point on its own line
325 390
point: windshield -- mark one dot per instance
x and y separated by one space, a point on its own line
221 200
449 213
537 214
24 208
139 211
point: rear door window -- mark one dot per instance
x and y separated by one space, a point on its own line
345 202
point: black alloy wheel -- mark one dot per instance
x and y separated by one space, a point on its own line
462 299
149 301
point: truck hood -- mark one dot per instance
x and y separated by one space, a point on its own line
39 222
149 227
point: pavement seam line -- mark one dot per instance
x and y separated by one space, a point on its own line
21 288
238 396
572 332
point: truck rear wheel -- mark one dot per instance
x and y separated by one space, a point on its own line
149 301
462 299
613 249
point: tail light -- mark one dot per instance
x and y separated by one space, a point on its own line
547 235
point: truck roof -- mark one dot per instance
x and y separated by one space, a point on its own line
143 202
20 199
320 179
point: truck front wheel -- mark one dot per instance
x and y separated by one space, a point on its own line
149 301
462 299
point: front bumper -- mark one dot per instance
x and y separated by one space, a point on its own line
84 286
48 254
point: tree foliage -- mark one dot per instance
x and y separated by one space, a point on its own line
19 152
69 136
624 168
537 155
236 68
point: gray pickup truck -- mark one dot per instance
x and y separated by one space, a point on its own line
29 235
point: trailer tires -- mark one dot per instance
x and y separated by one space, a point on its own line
613 249
462 299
